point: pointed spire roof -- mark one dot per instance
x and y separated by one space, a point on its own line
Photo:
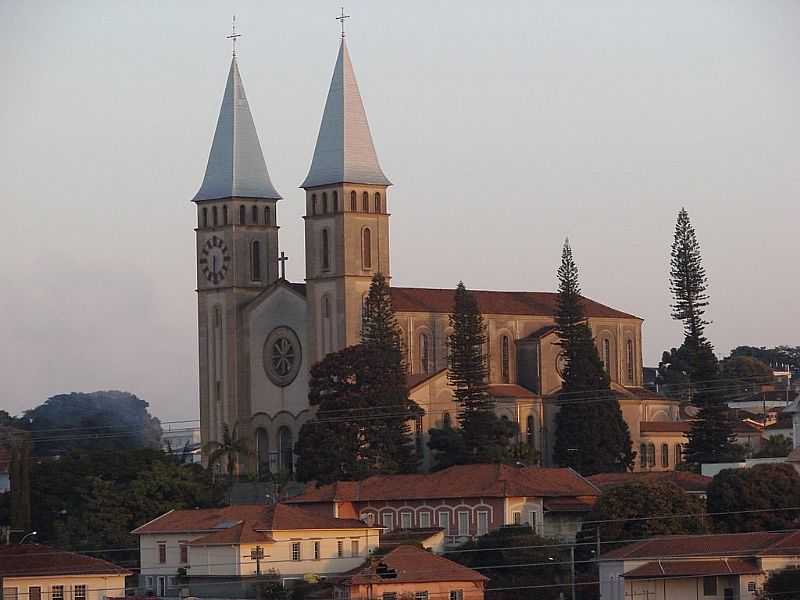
344 151
236 164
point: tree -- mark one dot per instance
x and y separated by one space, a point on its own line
483 437
518 545
744 376
759 489
783 584
231 449
775 446
591 434
673 373
711 438
780 357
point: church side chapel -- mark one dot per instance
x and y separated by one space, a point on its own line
259 334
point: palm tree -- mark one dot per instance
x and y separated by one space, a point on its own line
231 448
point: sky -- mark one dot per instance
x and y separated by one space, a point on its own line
505 128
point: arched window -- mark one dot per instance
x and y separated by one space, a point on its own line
335 201
446 422
424 354
285 450
254 214
267 216
505 359
607 355
678 454
225 215
353 201
214 217
377 202
651 455
366 248
643 456
242 215
313 204
365 202
326 251
530 431
665 455
324 203
255 261
326 324
262 450
205 217
629 359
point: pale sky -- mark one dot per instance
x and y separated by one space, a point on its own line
505 127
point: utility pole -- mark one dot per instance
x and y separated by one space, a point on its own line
572 567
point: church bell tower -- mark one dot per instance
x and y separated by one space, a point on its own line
347 216
237 251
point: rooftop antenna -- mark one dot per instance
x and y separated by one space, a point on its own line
234 35
341 19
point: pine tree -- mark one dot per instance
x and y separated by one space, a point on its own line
711 438
591 434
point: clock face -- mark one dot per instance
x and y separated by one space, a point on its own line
214 260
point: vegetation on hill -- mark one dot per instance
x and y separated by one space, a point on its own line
591 434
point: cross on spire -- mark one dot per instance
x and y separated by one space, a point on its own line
233 36
283 258
341 19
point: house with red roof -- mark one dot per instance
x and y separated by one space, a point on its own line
687 567
219 551
37 572
466 501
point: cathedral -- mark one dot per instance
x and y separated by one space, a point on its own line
259 333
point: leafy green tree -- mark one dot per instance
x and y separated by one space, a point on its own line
760 489
783 584
518 549
743 376
778 357
231 449
673 373
711 438
591 434
775 446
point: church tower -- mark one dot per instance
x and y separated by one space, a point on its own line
237 247
347 216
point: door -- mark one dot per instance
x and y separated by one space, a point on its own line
162 586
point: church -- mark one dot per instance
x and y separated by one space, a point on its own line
259 334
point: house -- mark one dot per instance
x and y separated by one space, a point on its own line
687 567
35 571
411 572
222 550
691 483
465 500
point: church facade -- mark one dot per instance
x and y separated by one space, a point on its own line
259 334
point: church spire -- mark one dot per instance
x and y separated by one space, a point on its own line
236 166
344 152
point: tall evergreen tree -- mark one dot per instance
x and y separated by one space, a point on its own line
591 435
711 438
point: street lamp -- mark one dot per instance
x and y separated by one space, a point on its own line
26 536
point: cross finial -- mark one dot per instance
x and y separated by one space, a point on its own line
341 19
234 35
283 258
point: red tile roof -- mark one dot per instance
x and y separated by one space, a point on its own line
411 564
462 481
726 545
687 481
567 505
243 533
664 427
494 303
415 379
257 517
37 560
509 390
693 568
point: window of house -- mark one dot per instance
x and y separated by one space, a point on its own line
389 596
316 550
406 520
643 455
424 354
456 594
353 202
254 214
678 454
267 216
607 355
366 248
225 215
516 517
424 519
629 359
421 596
463 523
255 261
709 586
377 202
532 520
651 455
354 551
172 581
326 252
35 593
387 520
751 586
505 359
295 550
664 455
483 522
443 520
79 592
10 593
148 582
205 217
324 203
242 215
162 552
365 202
339 549
184 548
214 216
57 592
